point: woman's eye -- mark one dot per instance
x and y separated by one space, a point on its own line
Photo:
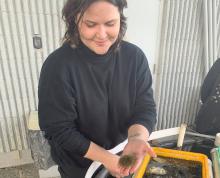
90 25
110 24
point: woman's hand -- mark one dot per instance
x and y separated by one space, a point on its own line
137 148
111 164
109 160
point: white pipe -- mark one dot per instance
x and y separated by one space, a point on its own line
181 135
200 135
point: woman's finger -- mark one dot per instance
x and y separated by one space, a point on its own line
125 171
150 150
118 176
136 166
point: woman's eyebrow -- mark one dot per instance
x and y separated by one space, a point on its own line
110 21
90 21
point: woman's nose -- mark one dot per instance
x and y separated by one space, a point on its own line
101 32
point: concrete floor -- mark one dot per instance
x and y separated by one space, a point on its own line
25 171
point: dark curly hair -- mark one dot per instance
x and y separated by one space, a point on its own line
74 7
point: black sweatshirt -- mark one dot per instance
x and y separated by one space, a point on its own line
87 97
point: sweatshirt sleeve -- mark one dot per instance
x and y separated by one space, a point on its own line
57 108
145 109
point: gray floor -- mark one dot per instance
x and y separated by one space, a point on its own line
25 171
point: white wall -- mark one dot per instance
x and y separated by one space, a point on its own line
143 16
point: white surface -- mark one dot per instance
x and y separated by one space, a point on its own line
164 133
33 121
142 19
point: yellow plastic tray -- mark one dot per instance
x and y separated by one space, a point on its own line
184 155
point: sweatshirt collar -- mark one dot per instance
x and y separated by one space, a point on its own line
90 55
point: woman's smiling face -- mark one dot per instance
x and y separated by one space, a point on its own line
99 26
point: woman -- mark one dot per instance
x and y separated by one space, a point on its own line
95 91
208 118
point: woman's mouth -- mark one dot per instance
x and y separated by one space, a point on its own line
100 43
